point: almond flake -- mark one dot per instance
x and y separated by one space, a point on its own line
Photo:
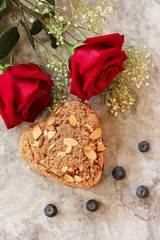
100 147
61 154
70 141
45 132
69 149
97 177
90 153
70 169
64 169
36 144
57 110
89 127
51 134
72 120
101 161
36 132
41 140
81 167
53 144
51 120
77 178
68 178
96 134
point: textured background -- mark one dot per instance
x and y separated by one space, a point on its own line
24 193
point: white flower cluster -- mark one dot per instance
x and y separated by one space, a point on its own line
120 95
92 18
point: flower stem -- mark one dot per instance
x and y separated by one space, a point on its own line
30 11
46 48
72 36
77 28
69 47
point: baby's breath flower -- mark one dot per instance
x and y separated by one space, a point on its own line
94 17
31 20
120 96
61 18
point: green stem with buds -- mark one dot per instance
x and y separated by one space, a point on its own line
30 11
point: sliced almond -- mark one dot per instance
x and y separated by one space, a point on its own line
41 140
89 127
57 110
69 149
70 169
51 120
53 144
68 178
101 160
96 134
100 147
90 153
61 154
97 177
45 132
70 141
36 144
64 169
77 178
81 167
51 134
72 120
36 132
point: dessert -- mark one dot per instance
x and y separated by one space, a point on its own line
67 147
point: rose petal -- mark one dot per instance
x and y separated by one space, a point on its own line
110 40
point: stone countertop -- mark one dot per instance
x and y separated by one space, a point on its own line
122 215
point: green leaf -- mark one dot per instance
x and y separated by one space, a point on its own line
8 40
36 27
4 67
65 27
25 26
53 41
52 2
4 5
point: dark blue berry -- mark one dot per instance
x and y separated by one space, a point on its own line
118 173
50 210
92 205
143 146
142 191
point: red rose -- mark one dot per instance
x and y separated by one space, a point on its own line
94 65
24 93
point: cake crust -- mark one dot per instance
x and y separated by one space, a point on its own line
67 147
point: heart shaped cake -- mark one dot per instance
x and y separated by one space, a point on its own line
67 147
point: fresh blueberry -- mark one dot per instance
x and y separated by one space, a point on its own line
143 146
142 191
92 205
118 173
50 210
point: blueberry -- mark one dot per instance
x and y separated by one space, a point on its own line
142 191
118 173
143 146
50 210
92 205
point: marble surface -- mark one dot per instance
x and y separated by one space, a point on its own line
121 215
